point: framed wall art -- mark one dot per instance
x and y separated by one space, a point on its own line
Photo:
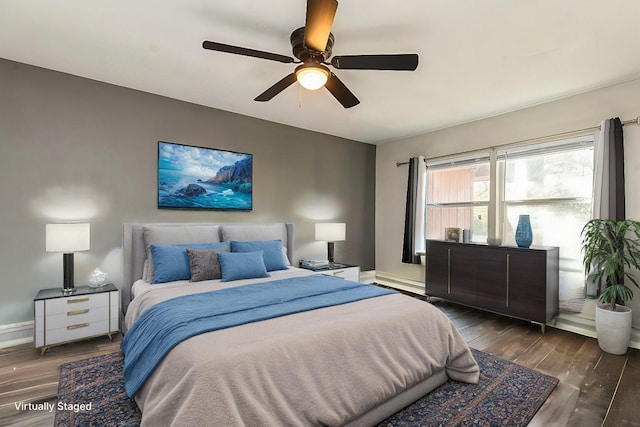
204 178
452 234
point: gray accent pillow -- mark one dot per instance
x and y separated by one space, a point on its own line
204 264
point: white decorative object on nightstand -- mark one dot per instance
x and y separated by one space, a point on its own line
88 312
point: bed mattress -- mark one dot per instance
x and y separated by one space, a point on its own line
322 367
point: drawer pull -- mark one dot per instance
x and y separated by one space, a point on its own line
78 326
335 273
508 268
76 312
71 301
449 271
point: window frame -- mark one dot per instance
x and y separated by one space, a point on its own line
581 142
473 158
497 157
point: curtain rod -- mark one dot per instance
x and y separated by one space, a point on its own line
626 122
404 163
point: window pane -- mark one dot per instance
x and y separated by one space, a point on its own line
553 175
474 218
553 224
468 183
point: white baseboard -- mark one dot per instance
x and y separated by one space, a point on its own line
22 333
368 276
581 325
576 323
16 334
399 282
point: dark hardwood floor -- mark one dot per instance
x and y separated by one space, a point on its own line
596 389
25 376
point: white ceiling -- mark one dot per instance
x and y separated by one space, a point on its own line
478 58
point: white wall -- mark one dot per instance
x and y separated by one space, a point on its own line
565 115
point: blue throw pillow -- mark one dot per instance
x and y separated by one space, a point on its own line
241 265
171 262
272 252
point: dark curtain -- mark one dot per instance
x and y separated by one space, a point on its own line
609 200
408 248
616 170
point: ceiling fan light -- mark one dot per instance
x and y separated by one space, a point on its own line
312 76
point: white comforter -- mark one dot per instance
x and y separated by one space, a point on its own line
321 367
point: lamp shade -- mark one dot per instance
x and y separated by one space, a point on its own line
312 76
68 238
331 231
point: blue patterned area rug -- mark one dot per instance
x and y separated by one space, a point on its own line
507 395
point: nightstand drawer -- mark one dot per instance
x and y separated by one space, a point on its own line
73 317
77 331
347 273
76 303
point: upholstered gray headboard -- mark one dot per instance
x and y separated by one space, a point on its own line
135 251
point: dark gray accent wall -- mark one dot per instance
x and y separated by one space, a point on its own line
73 149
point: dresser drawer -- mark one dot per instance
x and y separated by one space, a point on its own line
76 303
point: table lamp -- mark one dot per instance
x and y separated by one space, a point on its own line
331 232
68 238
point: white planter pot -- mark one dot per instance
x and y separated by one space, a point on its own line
613 329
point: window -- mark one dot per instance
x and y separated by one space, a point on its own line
458 196
550 181
554 185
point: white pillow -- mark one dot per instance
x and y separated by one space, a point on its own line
247 233
285 254
145 270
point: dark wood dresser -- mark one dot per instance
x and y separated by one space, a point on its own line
517 282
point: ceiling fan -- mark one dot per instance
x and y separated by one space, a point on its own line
312 45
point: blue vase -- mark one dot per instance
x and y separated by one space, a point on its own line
524 235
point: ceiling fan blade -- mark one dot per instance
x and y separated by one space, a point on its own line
341 92
402 62
220 47
276 88
320 14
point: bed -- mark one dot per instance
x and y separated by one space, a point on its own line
352 363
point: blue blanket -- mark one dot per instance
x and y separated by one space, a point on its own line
170 322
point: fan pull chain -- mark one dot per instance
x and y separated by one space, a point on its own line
299 96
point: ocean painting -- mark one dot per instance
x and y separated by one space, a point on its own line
203 178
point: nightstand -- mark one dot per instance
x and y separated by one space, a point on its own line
343 271
87 312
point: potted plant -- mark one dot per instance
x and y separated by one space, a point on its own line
610 249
